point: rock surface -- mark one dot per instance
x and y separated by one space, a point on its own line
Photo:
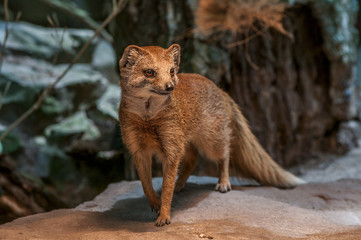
326 209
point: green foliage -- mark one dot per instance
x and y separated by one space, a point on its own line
19 93
77 124
11 143
109 102
54 164
52 105
59 45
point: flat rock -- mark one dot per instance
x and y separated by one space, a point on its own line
314 211
328 207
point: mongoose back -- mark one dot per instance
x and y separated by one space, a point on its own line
173 116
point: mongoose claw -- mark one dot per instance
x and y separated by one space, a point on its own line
156 210
161 221
223 187
178 188
155 205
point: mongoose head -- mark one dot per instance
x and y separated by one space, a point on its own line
150 70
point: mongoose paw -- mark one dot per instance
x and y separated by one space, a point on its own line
155 206
223 187
161 221
178 187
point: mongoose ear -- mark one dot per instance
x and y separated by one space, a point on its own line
130 56
174 50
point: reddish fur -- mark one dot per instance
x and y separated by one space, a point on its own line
196 116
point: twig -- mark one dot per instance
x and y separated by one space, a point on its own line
46 92
247 39
3 95
248 57
187 33
60 39
114 4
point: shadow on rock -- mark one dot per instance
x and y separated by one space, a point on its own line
128 213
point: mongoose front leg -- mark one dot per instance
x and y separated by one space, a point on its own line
169 175
143 163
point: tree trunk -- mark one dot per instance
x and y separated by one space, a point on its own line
286 99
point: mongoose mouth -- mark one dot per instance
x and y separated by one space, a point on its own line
160 92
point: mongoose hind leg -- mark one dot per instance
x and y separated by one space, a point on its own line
143 163
216 147
223 184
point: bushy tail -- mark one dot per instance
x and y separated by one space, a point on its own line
252 161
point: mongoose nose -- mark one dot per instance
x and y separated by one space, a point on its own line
169 87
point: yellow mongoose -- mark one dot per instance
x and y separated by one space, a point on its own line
173 116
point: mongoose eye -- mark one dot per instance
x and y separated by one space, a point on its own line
172 72
149 73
